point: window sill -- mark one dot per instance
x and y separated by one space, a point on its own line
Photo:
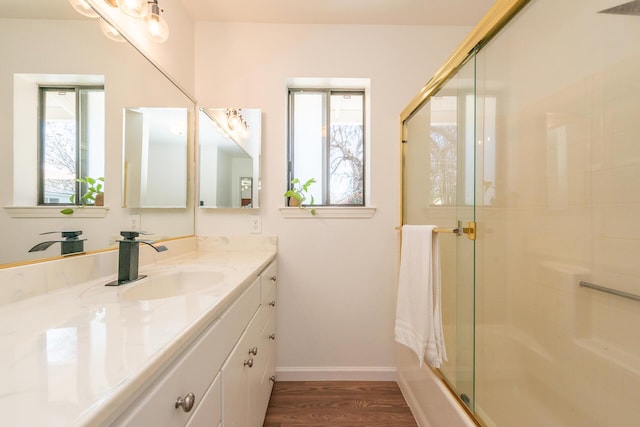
54 212
328 212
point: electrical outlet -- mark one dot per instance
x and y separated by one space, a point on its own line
255 224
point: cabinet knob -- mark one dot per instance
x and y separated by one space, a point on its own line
249 363
272 337
186 403
253 351
272 378
273 278
272 303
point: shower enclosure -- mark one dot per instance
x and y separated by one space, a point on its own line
534 138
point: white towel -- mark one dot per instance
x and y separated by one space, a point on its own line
419 310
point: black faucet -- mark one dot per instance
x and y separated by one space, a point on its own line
128 256
69 246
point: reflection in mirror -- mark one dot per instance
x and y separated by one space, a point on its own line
246 188
229 142
155 158
49 43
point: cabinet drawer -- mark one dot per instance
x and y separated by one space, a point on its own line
194 371
269 280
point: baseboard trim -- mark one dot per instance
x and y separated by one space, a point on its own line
347 373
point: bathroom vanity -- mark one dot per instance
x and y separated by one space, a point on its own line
193 344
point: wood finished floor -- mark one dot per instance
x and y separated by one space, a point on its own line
337 404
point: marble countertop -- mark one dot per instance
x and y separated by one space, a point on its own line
77 355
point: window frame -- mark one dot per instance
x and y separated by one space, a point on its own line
327 92
81 161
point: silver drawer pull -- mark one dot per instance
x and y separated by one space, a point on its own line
272 337
249 363
273 278
272 378
186 403
253 351
272 303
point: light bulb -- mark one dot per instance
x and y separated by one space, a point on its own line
157 27
233 122
234 119
133 8
83 8
110 31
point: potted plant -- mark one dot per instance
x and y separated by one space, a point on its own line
92 197
299 192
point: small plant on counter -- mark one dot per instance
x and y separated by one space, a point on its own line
94 192
299 192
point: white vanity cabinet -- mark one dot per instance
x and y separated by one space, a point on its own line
223 378
249 372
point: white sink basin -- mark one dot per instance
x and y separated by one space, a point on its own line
172 284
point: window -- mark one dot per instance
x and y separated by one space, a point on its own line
326 142
71 124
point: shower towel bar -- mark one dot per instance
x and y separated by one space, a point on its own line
469 230
610 291
440 230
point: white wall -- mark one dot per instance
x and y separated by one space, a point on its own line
337 277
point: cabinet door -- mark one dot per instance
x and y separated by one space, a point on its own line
237 374
262 383
209 411
268 281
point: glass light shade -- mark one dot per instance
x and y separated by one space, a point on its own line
157 28
233 120
110 31
83 8
244 131
133 8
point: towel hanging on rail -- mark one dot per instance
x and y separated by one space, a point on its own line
418 310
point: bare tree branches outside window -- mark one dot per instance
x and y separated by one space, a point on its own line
346 165
443 164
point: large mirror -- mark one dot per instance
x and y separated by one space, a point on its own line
47 43
229 140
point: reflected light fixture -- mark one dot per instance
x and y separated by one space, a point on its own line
110 31
234 119
178 128
236 122
133 8
83 8
156 26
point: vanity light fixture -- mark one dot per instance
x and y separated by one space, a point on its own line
133 8
156 26
149 11
110 31
83 8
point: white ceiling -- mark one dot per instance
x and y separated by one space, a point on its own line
382 12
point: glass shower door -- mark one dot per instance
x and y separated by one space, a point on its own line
439 189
